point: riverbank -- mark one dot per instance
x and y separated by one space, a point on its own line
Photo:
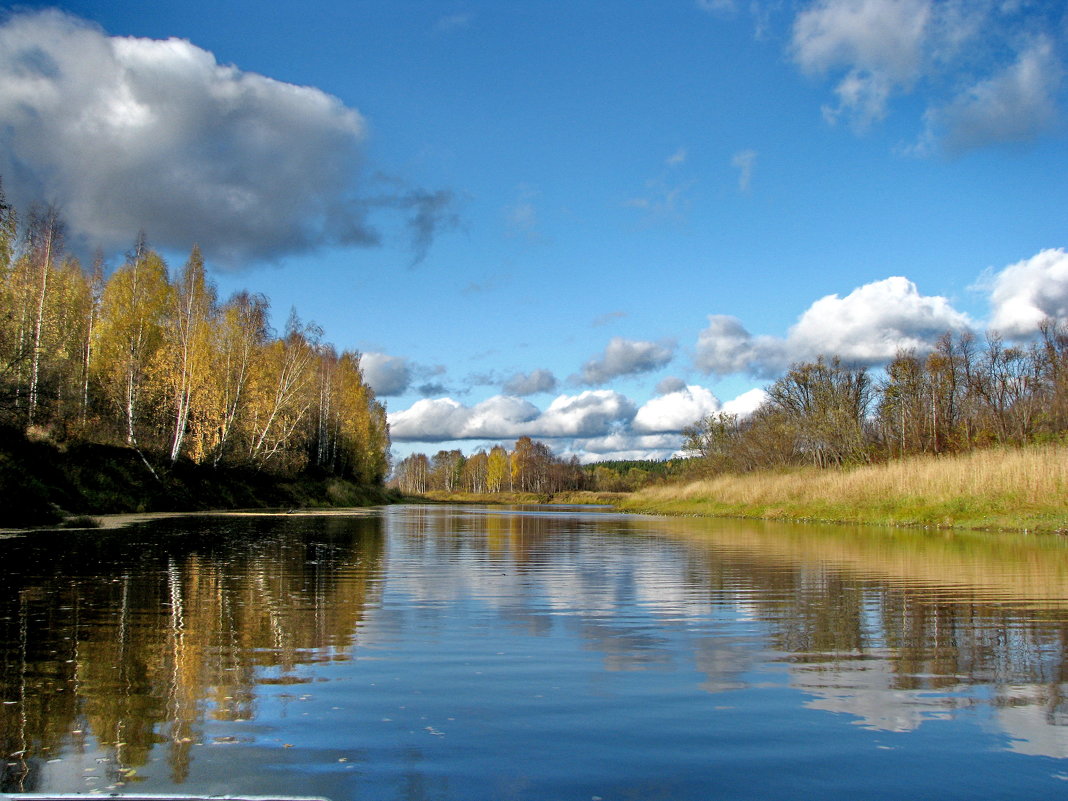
1008 489
42 483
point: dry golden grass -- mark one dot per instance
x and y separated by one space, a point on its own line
1024 488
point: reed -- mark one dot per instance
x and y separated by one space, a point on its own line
1004 488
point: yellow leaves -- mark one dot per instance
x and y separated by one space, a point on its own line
162 364
497 468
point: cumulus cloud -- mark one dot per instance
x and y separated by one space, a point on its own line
1015 105
441 419
867 326
584 415
531 383
875 50
726 347
588 414
670 384
640 441
624 357
626 446
1023 294
127 134
386 375
746 403
675 410
879 43
593 425
873 322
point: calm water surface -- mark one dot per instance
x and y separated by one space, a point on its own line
533 653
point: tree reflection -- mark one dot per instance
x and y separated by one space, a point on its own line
136 638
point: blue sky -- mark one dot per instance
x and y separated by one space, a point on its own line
588 222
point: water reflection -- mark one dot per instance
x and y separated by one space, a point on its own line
891 627
439 642
134 637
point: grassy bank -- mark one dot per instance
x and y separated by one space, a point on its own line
1013 489
42 484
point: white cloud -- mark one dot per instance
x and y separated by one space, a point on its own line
884 35
875 50
726 347
1015 105
661 439
625 446
386 375
669 385
1025 293
441 419
594 425
624 357
746 403
744 161
590 413
879 42
674 411
127 134
867 326
531 383
587 414
873 322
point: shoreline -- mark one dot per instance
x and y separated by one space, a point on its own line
120 520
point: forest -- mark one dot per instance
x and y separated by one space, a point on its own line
966 394
148 358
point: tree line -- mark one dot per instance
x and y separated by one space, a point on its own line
966 393
530 466
149 357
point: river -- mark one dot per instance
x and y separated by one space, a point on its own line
450 652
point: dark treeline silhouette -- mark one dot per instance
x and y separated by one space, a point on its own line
148 357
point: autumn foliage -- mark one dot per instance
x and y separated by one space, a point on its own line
148 357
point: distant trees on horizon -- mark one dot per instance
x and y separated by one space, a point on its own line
529 467
149 357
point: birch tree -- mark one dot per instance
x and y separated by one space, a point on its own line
497 468
44 245
185 360
240 334
130 332
280 398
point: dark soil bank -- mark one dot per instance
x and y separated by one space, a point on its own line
42 483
